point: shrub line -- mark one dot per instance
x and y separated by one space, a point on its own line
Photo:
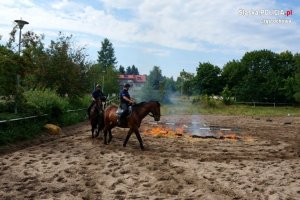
36 116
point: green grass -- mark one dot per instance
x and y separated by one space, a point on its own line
190 109
6 116
28 129
20 130
73 118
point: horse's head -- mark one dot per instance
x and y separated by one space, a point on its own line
155 110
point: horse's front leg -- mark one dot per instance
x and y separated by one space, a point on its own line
127 137
137 133
93 129
98 130
105 135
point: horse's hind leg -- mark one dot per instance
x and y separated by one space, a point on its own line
105 135
127 137
109 132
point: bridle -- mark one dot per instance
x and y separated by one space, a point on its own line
154 116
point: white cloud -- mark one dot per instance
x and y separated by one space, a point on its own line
60 4
120 4
206 23
203 26
158 52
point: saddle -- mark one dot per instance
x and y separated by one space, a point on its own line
122 119
120 111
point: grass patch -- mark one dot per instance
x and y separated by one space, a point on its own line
187 108
28 129
73 117
20 130
7 115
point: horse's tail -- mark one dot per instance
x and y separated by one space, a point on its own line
108 113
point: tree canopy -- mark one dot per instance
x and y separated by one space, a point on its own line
106 56
260 75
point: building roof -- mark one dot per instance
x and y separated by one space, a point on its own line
135 78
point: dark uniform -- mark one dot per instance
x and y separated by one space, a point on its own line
97 94
124 104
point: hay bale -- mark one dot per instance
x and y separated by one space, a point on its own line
52 129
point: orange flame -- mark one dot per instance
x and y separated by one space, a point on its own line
231 136
165 132
180 131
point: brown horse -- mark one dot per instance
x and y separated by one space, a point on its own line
97 118
133 121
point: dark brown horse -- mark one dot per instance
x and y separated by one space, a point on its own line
97 118
133 121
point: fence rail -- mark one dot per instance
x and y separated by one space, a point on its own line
36 116
265 104
110 101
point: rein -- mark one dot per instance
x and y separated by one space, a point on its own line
151 115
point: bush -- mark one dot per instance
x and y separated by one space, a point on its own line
45 101
12 132
205 101
227 96
72 118
80 102
7 106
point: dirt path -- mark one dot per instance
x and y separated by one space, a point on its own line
264 164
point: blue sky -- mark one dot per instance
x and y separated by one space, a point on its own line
171 34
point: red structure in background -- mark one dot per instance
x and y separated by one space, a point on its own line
136 82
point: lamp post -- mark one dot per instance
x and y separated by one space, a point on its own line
21 24
103 81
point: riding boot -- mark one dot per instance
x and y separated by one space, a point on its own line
89 109
120 121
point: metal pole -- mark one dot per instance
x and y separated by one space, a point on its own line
18 76
103 81
21 24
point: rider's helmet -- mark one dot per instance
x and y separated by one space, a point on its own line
127 85
98 86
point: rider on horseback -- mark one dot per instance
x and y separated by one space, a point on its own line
125 102
97 95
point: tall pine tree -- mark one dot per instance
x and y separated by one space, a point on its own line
106 56
107 64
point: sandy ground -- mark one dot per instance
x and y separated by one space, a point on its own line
263 164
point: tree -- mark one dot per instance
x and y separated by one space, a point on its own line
106 56
9 68
297 78
66 71
185 83
128 70
134 70
154 88
110 84
121 70
233 73
35 60
268 77
207 79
